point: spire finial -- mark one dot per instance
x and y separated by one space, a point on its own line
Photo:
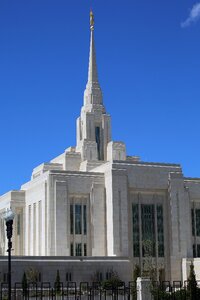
91 20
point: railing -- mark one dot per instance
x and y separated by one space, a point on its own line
89 291
70 291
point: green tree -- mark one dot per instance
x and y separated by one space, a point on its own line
193 291
149 268
24 285
113 282
32 275
57 283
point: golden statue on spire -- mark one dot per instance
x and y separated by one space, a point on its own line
91 20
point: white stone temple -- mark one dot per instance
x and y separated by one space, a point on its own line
93 208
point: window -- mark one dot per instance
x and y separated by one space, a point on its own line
193 226
79 220
160 230
68 276
72 249
99 276
108 275
18 224
78 249
78 228
85 250
196 250
84 219
136 238
71 219
195 214
78 223
197 222
148 230
146 234
97 136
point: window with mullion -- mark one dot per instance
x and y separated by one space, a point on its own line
136 234
148 229
78 249
197 222
78 219
160 231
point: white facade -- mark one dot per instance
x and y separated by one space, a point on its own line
95 201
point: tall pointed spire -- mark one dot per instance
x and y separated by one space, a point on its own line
93 94
93 125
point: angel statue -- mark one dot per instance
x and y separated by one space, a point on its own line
91 20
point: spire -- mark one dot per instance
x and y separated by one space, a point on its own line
93 91
93 125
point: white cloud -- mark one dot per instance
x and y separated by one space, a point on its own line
193 16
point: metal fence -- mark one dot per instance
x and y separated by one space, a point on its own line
88 291
70 291
176 290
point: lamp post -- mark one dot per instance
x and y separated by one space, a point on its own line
8 217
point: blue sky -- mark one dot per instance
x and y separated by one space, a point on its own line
149 71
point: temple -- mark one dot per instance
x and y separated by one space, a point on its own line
94 209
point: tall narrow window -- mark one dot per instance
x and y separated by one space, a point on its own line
18 224
68 276
196 250
29 229
78 249
97 136
160 230
39 227
84 219
78 228
148 230
136 238
151 234
197 211
71 219
193 226
78 219
85 250
72 249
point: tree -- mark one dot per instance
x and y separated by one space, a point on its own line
113 282
149 268
57 283
24 285
32 275
192 284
